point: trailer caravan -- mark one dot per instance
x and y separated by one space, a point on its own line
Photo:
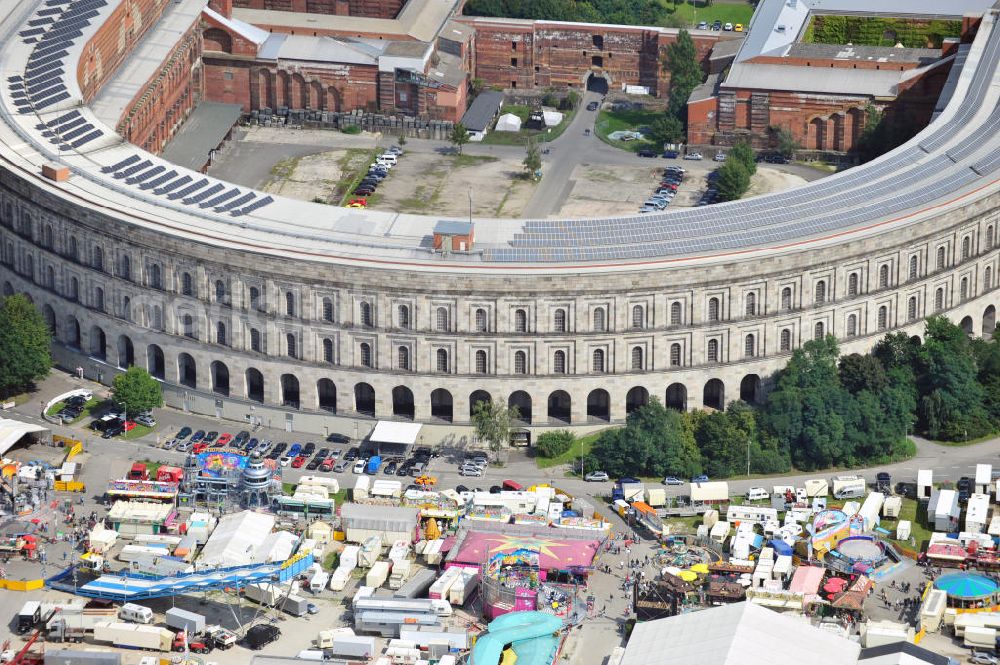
984 479
870 510
977 512
443 584
817 487
756 514
925 484
943 510
932 610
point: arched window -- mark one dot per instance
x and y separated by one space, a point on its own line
883 276
913 267
220 291
989 237
366 354
599 320
786 298
520 321
328 310
963 289
676 316
47 236
290 345
482 321
786 340
220 333
126 308
713 309
98 262
29 265
818 330
911 309
988 278
939 300
940 257
749 346
637 358
125 268
820 292
403 357
188 322
442 360
74 288
254 297
675 355
289 303
187 284
713 350
966 247
157 318
255 340
852 284
852 325
559 321
50 277
520 362
638 316
597 361
559 362
366 315
751 303
883 318
99 299
155 281
72 250
480 362
403 315
441 319
328 351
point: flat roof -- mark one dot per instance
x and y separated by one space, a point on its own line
204 130
421 20
387 431
482 110
854 52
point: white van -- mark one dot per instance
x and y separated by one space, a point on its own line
387 158
135 613
757 494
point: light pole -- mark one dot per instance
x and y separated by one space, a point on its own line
748 457
470 205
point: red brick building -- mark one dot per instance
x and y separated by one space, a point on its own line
514 53
366 8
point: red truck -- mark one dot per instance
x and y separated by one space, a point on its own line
138 472
169 474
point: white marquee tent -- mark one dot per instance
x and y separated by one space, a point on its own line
508 122
12 431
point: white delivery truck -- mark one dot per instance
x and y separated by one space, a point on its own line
297 606
184 621
134 636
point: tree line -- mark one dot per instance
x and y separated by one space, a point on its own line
824 410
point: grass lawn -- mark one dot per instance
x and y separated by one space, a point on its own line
152 467
916 512
331 560
970 442
353 167
609 122
137 432
518 138
581 446
87 408
693 13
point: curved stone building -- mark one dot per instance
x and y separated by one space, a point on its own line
286 313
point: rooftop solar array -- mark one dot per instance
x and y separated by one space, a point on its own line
201 194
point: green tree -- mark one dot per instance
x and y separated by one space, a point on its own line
667 128
137 391
655 441
554 444
532 159
743 153
951 397
685 72
862 372
459 136
570 101
492 421
783 141
733 180
25 340
402 139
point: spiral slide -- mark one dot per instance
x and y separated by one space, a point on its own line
532 636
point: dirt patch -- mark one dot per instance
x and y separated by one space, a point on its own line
768 180
603 190
441 184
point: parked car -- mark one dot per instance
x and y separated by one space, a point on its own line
646 152
728 27
592 106
184 432
671 154
313 464
327 464
672 480
341 466
694 156
170 443
338 438
211 436
184 446
242 437
309 448
738 27
298 462
197 436
719 157
359 466
700 479
703 25
472 471
225 439
983 658
286 460
390 468
295 450
597 477
352 454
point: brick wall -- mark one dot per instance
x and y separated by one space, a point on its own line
367 8
113 41
539 54
165 101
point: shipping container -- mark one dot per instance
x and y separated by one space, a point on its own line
182 620
134 636
378 574
655 497
352 647
297 606
417 585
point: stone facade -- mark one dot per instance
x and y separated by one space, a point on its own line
538 54
227 330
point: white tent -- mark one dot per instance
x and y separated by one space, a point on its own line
238 539
399 433
12 431
741 633
508 122
551 117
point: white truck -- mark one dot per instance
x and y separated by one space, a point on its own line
297 606
184 621
263 593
